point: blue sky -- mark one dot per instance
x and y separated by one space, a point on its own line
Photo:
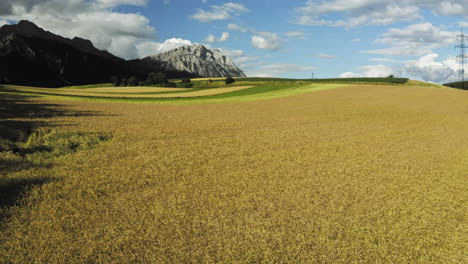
295 38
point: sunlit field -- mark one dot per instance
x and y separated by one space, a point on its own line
208 93
125 90
133 92
312 173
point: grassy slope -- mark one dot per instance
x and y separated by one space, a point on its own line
265 88
326 80
365 174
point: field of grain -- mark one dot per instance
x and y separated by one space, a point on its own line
213 79
355 174
133 92
125 90
252 92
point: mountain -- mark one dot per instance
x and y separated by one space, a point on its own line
196 60
32 56
30 30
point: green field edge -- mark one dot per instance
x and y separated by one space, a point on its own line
264 88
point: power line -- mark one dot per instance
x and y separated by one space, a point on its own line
462 57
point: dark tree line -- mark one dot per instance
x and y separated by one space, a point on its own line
153 78
157 79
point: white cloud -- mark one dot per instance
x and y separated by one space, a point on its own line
371 71
224 37
352 13
278 70
413 40
429 69
310 21
426 68
119 33
114 3
245 59
236 7
212 39
149 48
379 71
463 24
174 43
326 56
385 60
394 13
232 53
219 12
124 45
204 16
407 50
355 13
3 22
237 27
266 41
349 75
418 33
245 62
295 34
451 8
356 40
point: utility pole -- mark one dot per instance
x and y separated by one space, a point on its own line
462 57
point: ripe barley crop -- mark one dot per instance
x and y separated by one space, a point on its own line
357 174
147 92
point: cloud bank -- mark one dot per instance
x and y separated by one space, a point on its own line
427 68
266 41
350 14
127 35
219 12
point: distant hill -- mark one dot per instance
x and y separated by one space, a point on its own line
196 60
458 85
30 30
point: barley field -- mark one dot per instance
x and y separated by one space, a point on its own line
247 91
213 79
353 174
125 90
133 92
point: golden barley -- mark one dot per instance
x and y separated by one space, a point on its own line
360 174
131 92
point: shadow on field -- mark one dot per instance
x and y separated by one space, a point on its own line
12 190
19 118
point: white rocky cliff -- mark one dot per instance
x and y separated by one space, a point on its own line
198 60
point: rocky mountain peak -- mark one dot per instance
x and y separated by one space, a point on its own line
198 60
